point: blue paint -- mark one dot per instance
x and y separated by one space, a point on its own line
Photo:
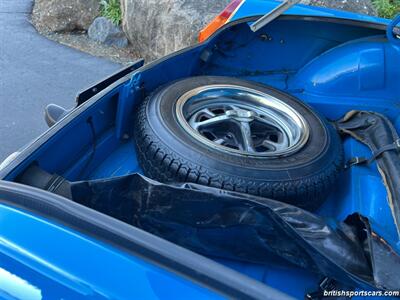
122 161
260 7
390 28
357 68
331 66
46 259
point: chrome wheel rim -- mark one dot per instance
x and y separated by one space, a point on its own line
242 121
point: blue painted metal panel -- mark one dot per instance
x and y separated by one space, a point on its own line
122 161
260 7
42 260
299 59
366 68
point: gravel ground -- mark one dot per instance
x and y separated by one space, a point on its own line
80 41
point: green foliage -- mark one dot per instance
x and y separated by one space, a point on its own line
387 8
111 9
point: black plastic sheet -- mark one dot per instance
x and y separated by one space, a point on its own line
378 133
247 228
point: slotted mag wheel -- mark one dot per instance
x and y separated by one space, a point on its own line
242 121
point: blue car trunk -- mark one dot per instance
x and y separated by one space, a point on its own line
333 65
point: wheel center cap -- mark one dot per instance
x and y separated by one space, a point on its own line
241 115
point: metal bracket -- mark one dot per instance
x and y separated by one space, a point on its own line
273 14
136 81
393 31
103 84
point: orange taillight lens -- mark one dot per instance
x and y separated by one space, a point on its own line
220 20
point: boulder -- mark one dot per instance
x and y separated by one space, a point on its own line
64 15
359 6
104 31
158 27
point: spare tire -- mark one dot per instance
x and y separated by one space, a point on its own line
239 136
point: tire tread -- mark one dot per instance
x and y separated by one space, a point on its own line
162 164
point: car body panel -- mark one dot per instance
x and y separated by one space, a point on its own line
54 262
60 272
74 250
260 7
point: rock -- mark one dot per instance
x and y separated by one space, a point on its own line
358 6
158 27
104 31
64 15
